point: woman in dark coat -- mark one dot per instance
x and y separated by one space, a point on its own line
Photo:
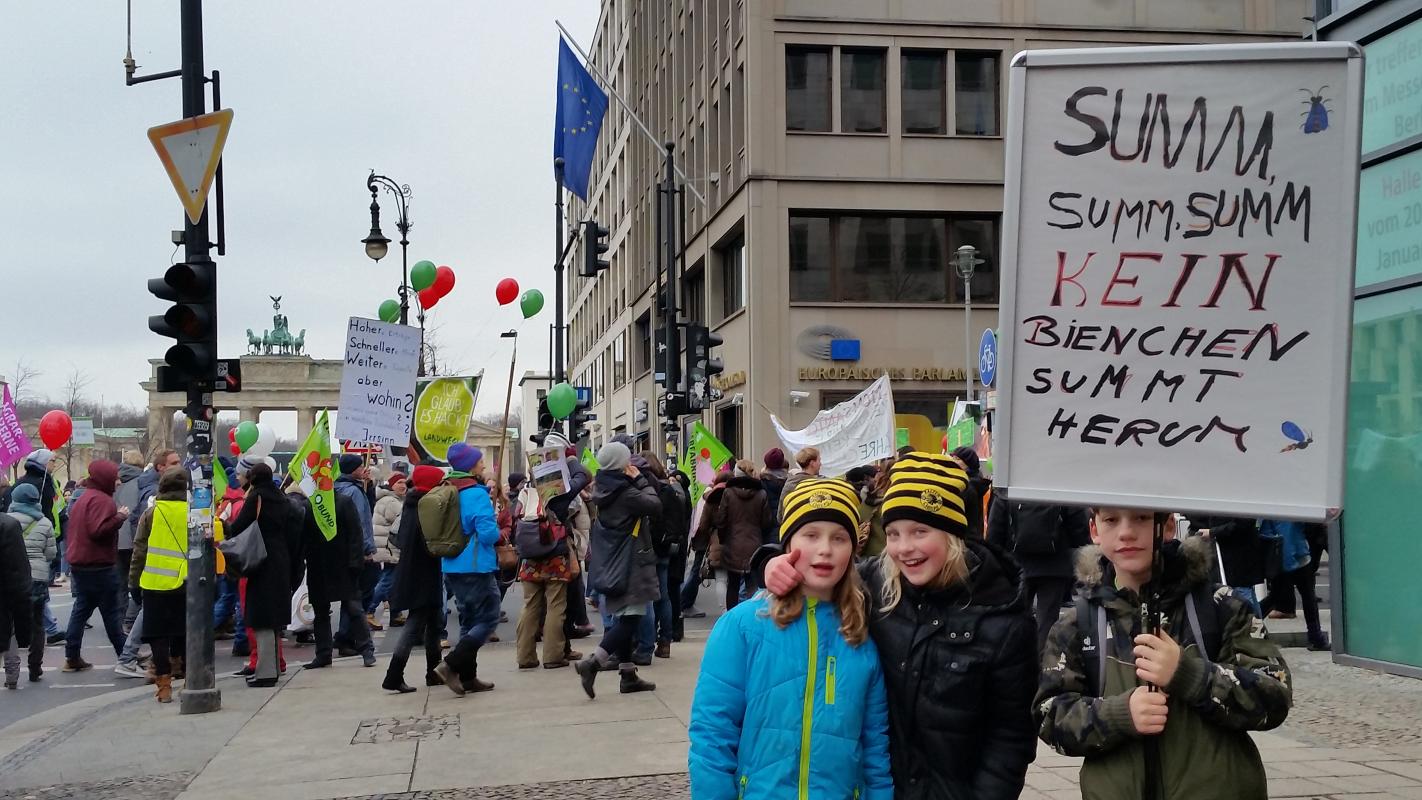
418 589
741 522
268 608
627 503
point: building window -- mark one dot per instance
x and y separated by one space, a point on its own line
925 91
728 428
733 276
975 95
886 258
643 345
862 97
810 258
619 360
694 294
807 88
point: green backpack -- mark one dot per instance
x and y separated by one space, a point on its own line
440 525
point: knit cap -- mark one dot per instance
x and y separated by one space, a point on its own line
927 488
349 463
464 457
614 457
426 476
820 500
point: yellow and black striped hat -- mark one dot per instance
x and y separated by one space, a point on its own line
927 488
820 500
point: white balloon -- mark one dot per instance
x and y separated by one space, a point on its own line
266 442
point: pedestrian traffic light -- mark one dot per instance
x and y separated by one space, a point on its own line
192 288
700 366
594 245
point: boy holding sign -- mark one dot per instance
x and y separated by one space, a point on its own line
1217 676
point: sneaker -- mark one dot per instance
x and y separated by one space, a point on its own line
1320 644
54 639
131 669
693 613
397 621
76 665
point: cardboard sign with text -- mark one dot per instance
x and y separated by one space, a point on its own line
378 382
1177 288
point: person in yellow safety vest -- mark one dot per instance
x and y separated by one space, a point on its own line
160 568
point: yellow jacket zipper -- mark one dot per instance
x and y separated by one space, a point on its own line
829 681
809 712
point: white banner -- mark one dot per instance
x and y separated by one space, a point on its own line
378 382
856 432
1177 277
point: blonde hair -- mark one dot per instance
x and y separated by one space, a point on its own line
848 598
806 455
133 458
955 570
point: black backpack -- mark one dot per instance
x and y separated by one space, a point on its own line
1091 624
539 538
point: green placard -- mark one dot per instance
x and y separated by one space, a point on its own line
964 434
901 438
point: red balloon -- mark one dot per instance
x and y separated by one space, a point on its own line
507 291
444 281
55 428
232 434
428 297
236 451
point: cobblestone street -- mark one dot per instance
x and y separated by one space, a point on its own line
1341 706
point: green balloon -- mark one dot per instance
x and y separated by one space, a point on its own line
531 303
247 435
562 399
422 275
390 311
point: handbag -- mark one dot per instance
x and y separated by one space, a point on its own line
612 558
246 552
507 555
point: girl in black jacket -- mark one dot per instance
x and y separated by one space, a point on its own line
266 607
957 643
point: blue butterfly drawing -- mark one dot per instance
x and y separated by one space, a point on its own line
1299 438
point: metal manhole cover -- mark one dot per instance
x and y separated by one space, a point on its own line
402 729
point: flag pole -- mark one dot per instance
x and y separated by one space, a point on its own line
607 84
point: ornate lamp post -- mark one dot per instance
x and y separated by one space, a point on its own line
377 246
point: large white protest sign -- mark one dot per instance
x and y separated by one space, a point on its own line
1177 287
378 382
856 432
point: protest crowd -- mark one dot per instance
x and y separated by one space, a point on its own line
913 629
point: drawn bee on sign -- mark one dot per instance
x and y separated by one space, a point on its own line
1300 438
1316 117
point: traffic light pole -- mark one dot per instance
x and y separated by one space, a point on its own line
669 230
558 277
200 694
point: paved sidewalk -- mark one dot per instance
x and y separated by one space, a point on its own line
334 734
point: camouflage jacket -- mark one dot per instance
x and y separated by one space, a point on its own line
1205 751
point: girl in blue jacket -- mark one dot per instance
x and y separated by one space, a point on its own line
790 701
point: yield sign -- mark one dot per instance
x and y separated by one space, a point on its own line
190 150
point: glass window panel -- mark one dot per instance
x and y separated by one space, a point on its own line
925 80
865 259
923 269
810 259
981 233
975 93
862 74
807 89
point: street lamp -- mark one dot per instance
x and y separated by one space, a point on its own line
966 261
377 245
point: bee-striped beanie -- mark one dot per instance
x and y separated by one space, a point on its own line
820 500
927 488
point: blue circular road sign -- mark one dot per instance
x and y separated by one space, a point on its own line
987 357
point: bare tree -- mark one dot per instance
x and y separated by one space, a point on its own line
20 379
75 385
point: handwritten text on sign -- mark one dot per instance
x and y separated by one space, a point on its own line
1181 231
858 431
378 382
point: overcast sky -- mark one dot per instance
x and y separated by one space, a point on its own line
454 98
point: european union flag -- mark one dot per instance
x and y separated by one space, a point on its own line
581 106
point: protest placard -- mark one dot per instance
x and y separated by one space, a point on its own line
14 443
378 382
443 407
1177 283
548 469
859 431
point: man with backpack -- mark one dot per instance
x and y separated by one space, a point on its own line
471 571
1043 538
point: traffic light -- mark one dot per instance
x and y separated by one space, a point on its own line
700 366
594 245
191 321
579 419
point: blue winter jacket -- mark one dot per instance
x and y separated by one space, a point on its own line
355 490
476 512
755 734
1296 553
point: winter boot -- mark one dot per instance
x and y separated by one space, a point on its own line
179 673
164 692
474 685
663 649
587 670
450 678
631 683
